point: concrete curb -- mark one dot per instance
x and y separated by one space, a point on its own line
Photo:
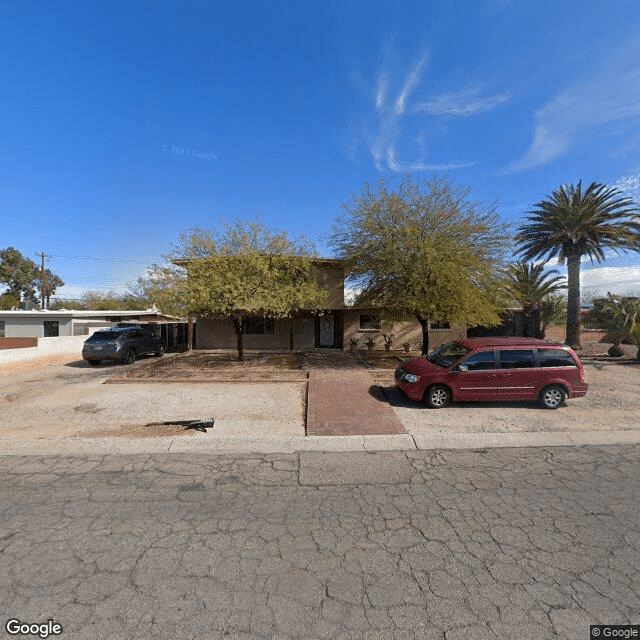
207 444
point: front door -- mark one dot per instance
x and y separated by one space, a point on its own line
326 330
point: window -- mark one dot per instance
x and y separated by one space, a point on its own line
517 359
51 328
555 358
369 322
439 326
259 326
481 361
1 328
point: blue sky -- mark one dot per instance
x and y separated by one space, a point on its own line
123 123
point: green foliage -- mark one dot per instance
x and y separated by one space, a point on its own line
252 284
423 249
22 278
19 274
528 284
619 316
553 310
112 301
573 223
9 300
244 271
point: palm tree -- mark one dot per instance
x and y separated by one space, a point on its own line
528 285
573 223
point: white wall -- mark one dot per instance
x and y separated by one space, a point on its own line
33 327
71 345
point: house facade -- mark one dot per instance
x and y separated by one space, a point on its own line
50 324
329 328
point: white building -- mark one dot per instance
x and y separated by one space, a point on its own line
48 324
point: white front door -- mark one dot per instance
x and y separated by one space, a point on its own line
327 338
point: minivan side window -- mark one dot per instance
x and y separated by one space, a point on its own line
481 361
555 358
517 359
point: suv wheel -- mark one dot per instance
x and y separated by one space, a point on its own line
129 356
438 396
159 351
553 396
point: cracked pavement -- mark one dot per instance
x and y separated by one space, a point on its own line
450 545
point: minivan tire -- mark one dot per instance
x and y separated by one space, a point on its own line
553 396
159 351
129 356
438 396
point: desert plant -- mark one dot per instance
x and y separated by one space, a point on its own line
575 222
353 343
369 343
388 340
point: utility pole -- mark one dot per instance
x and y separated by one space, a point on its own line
42 255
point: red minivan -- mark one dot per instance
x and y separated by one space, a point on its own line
494 369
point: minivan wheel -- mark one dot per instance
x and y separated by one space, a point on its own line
438 396
159 351
553 396
129 356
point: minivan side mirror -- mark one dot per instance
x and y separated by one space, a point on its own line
463 367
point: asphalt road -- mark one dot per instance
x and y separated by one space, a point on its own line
503 543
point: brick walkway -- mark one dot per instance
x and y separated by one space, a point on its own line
342 399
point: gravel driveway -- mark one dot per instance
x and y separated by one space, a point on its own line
612 403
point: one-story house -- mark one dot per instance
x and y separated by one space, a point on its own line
69 322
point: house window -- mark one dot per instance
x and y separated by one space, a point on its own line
259 326
1 328
51 328
369 322
439 326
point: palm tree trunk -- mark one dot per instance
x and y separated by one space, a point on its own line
573 302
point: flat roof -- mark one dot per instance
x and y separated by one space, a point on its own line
78 313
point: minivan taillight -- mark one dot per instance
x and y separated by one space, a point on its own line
582 378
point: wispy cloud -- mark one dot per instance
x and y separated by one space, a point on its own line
396 118
610 97
396 165
410 83
463 103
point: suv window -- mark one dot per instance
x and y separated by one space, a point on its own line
555 358
481 361
102 336
517 359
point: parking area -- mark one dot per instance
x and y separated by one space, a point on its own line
612 403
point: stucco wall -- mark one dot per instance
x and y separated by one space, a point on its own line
219 334
71 345
33 326
407 330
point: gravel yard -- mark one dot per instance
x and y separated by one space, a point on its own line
56 400
63 400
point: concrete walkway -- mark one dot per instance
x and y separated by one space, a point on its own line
344 400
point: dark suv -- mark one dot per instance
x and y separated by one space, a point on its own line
494 369
123 344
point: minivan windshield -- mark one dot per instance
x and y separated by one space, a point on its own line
102 336
445 355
